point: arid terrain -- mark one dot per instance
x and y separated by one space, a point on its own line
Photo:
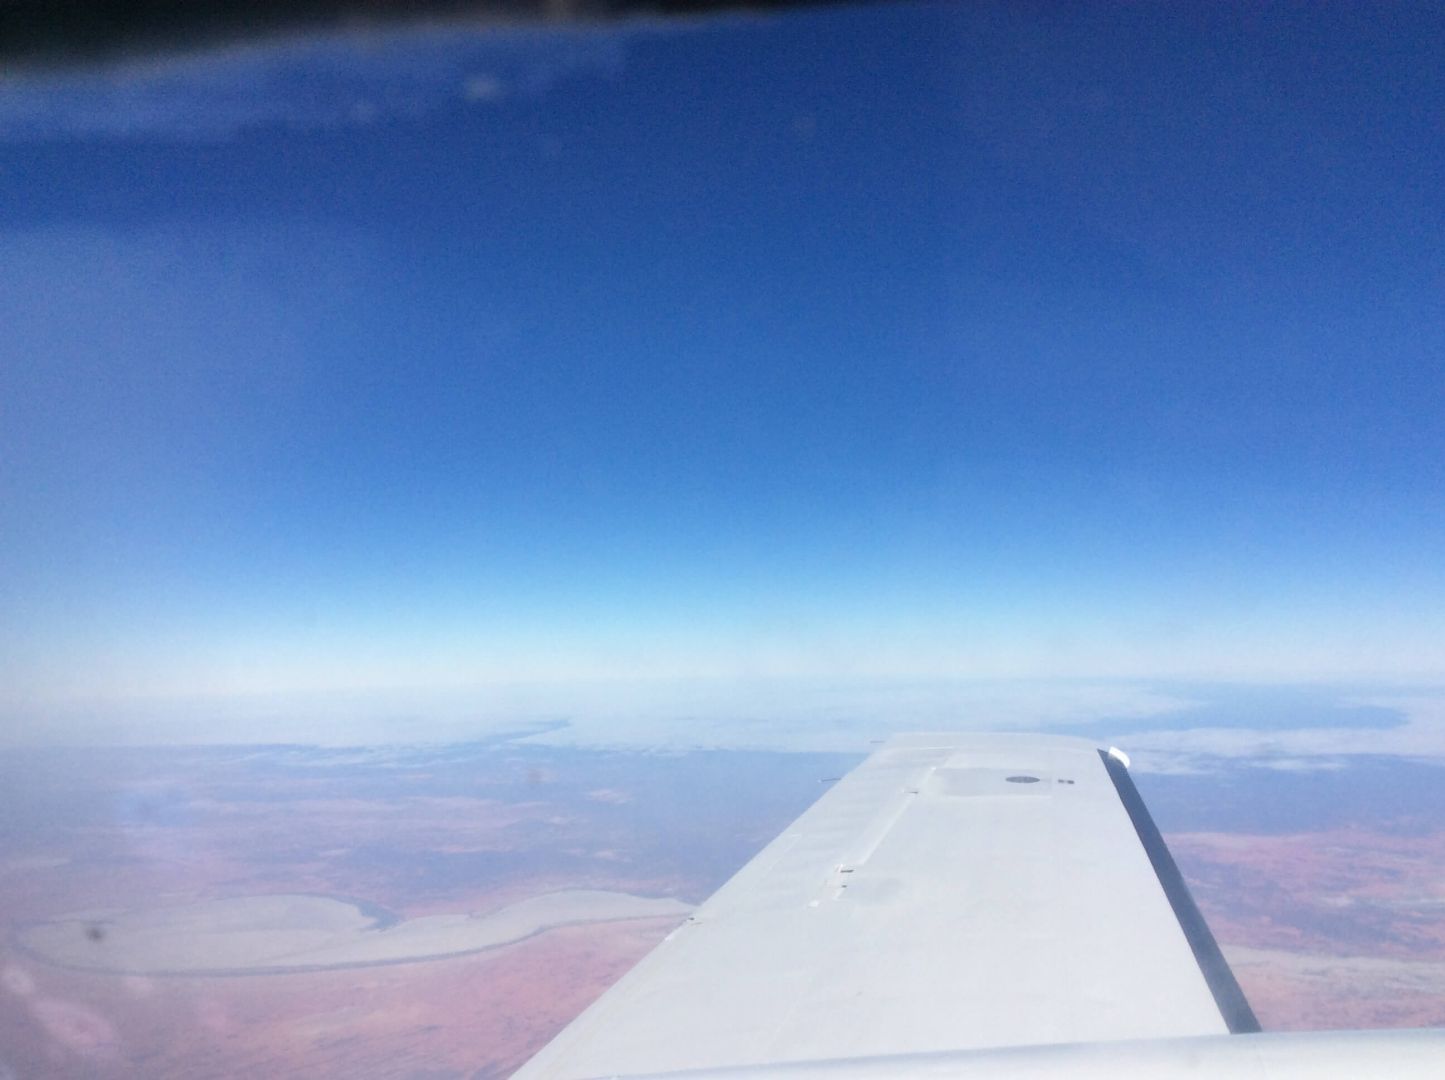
1325 886
1342 928
1329 902
551 872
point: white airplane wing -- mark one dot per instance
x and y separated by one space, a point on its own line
953 894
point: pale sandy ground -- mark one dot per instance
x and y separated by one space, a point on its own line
1312 992
295 932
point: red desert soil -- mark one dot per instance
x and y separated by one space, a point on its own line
1342 928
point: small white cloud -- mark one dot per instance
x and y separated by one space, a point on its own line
609 795
1309 764
17 980
482 88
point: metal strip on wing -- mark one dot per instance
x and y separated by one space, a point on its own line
1233 1005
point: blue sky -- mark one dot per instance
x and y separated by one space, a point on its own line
909 342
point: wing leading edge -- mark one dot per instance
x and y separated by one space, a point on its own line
952 893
